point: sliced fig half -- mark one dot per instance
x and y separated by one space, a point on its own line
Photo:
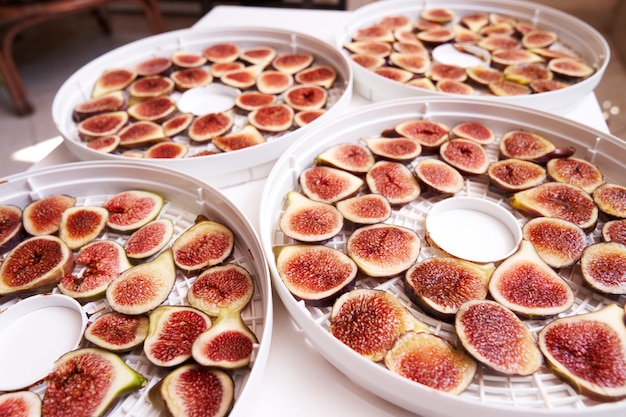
393 180
497 338
495 42
208 126
10 224
177 124
383 250
273 82
306 97
252 100
415 63
559 243
222 52
81 225
370 321
130 210
322 75
611 199
570 68
411 46
439 176
513 56
104 124
484 76
117 332
351 157
227 286
140 132
115 79
365 209
328 185
543 86
395 74
258 54
603 266
465 155
153 66
589 352
475 21
149 239
446 72
105 144
273 118
508 88
429 134
522 144
218 69
394 149
153 86
244 138
423 83
454 87
436 35
475 131
369 48
188 59
167 150
309 220
88 381
438 15
575 171
464 35
292 62
114 101
304 117
512 174
20 404
374 33
191 78
204 244
43 216
614 231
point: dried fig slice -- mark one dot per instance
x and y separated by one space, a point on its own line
512 174
497 338
130 210
525 145
222 52
228 344
258 54
377 49
252 100
244 138
309 220
439 176
143 287
454 87
292 62
508 88
370 321
81 225
527 73
141 132
304 117
117 332
383 250
209 126
10 224
528 286
365 209
374 33
575 171
153 66
614 231
394 149
415 63
188 59
43 216
603 266
218 69
314 273
88 381
570 68
20 404
176 124
484 76
172 332
328 185
351 157
168 149
273 82
153 86
204 244
228 286
559 243
429 134
444 368
104 124
115 79
322 75
394 181
194 390
111 102
560 200
475 131
436 36
306 97
106 144
149 239
611 199
441 285
272 118
589 352
191 77
36 264
465 155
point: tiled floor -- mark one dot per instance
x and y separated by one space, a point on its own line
48 54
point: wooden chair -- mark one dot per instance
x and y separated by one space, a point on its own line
16 15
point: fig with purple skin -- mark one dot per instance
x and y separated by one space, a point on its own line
307 220
575 171
115 79
140 133
439 176
10 224
130 210
177 124
153 66
394 181
394 149
208 126
394 74
81 225
329 185
475 131
365 209
611 200
167 150
429 134
153 86
149 239
530 146
106 144
558 242
603 266
20 404
244 138
351 157
154 109
465 155
103 124
304 117
614 231
513 174
227 286
110 102
117 332
204 244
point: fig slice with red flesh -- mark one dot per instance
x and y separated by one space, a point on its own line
194 390
106 144
370 321
441 285
365 209
208 126
528 286
322 75
438 15
242 78
168 149
463 35
570 68
153 86
43 216
328 185
454 87
614 231
394 149
87 382
309 220
35 264
149 239
611 199
273 118
103 124
304 117
177 124
273 82
306 97
373 33
423 83
315 274
432 361
560 200
396 22
411 47
475 131
252 100
218 69
515 56
512 174
446 72
228 344
527 73
143 287
244 138
383 250
227 286
191 78
118 332
153 66
465 155
474 21
429 134
20 404
377 49
111 102
10 225
436 35
351 157
115 79
589 352
508 88
439 176
394 74
172 332
484 76
603 266
222 52
140 133
575 171
130 210
529 146
558 242
81 225
394 181
495 42
258 54
204 244
544 86
497 338
188 59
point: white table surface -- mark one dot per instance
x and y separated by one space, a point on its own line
298 380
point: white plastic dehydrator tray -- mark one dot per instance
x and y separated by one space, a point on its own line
185 198
490 394
573 33
224 168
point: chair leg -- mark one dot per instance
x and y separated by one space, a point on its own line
13 81
153 14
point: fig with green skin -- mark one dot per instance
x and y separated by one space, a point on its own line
243 78
377 49
570 68
106 144
227 286
10 224
370 321
365 209
143 287
81 225
103 124
218 69
475 131
454 87
429 134
528 286
436 36
497 338
222 52
130 210
465 155
611 199
258 54
475 21
191 78
315 274
512 174
614 231
117 332
394 149
603 266
188 59
177 124
508 88
244 138
251 100
443 367
383 250
589 352
304 117
140 133
20 404
153 66
149 239
167 149
43 216
575 171
153 86
394 74
87 382
495 42
208 126
115 79
527 73
322 75
351 157
373 33
307 220
273 118
394 181
415 63
204 244
484 76
439 176
36 264
273 82
558 242
560 200
172 332
194 390
111 102
328 185
306 97
228 344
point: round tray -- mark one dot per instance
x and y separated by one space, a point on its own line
490 394
185 198
573 33
224 168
